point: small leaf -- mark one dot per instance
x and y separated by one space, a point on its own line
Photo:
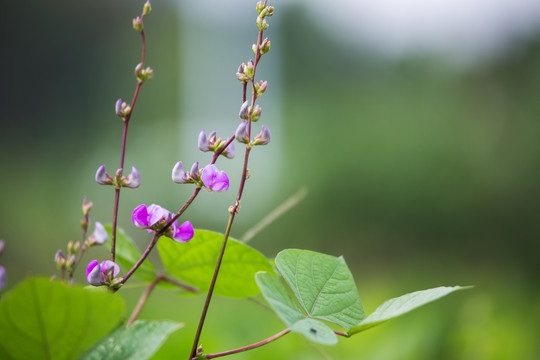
43 319
323 285
401 305
194 263
136 342
127 254
291 313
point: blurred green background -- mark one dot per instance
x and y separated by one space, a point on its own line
422 171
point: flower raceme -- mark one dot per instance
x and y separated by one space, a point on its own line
154 218
101 274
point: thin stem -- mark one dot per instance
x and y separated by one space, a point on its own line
143 257
249 347
233 211
143 299
180 284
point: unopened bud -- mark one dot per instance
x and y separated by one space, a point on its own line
102 177
261 22
242 133
260 87
259 7
263 138
269 10
143 75
122 109
243 113
133 180
249 69
240 75
138 24
147 8
256 113
265 46
59 260
194 172
179 175
86 206
254 48
99 236
229 151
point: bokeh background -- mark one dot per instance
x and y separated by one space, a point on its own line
414 126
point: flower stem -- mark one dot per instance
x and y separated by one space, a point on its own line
143 257
143 299
249 347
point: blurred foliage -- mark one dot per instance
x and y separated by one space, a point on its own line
420 172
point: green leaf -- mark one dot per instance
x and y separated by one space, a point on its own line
194 263
43 319
323 285
291 313
127 254
136 342
398 306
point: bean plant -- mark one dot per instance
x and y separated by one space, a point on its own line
313 294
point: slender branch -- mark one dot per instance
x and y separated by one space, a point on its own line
233 211
275 214
143 257
143 299
249 347
180 284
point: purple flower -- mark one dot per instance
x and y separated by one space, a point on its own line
214 180
2 277
181 176
203 142
100 274
243 113
241 133
154 218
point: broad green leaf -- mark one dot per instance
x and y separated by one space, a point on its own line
291 313
127 254
43 319
136 342
323 285
398 306
194 263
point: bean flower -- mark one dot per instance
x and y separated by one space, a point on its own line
154 218
214 180
101 274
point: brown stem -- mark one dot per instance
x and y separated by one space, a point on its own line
143 299
249 347
143 257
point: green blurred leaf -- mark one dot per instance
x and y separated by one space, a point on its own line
43 319
291 313
194 262
401 305
136 342
323 285
127 254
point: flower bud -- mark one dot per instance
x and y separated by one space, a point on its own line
99 236
122 109
265 46
242 133
263 138
254 48
138 24
261 22
249 69
256 113
259 7
102 177
86 206
59 260
147 8
229 151
2 277
133 180
240 74
243 114
203 143
194 172
143 75
260 87
269 10
179 175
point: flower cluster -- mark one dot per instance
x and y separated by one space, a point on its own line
102 274
212 143
154 218
132 181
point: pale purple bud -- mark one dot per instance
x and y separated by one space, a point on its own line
263 137
214 180
99 274
102 177
2 244
203 143
59 260
147 8
229 151
138 24
118 107
2 277
133 180
265 46
195 171
86 206
179 175
100 236
242 132
212 138
243 114
182 233
260 87
109 269
240 73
